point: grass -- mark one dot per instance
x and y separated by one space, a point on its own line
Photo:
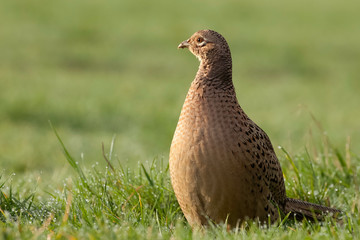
102 69
120 203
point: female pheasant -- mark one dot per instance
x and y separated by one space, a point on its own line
223 167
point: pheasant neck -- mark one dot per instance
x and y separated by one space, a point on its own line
215 74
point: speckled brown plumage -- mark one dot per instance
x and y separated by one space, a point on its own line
222 165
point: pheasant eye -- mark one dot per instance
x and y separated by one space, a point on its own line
199 39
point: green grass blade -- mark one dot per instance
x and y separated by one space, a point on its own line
147 175
74 164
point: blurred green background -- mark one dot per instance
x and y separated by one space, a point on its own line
96 69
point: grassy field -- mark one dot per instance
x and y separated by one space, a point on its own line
111 70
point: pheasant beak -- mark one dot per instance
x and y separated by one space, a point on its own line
184 44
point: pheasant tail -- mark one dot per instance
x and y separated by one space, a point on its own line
300 209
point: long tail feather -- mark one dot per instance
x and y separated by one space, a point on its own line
300 209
